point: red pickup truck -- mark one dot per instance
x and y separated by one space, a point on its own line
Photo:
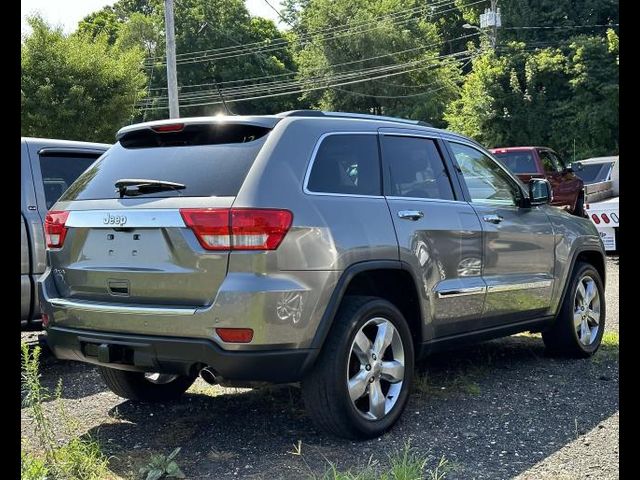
542 162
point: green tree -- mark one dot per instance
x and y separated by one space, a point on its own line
75 86
550 96
420 90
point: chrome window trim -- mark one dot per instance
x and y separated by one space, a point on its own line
314 153
135 218
424 199
120 309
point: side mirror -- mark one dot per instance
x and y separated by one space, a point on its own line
569 169
539 192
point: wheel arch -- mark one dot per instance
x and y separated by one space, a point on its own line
589 255
387 279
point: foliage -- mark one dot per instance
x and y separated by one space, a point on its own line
79 459
523 97
422 92
162 466
405 464
77 87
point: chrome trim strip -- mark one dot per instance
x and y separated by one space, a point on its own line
519 286
121 309
313 159
125 218
427 200
460 292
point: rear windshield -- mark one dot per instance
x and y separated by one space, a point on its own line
594 173
211 164
518 162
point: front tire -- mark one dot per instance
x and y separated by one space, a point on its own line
578 329
144 386
360 382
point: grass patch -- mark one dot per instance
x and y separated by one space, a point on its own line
450 384
406 464
609 348
79 459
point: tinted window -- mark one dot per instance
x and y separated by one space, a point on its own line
415 168
518 162
487 182
594 173
59 172
217 169
549 162
346 164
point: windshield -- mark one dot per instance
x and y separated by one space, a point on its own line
518 162
214 163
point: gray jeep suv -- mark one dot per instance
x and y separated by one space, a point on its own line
323 248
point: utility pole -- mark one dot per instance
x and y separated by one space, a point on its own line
172 77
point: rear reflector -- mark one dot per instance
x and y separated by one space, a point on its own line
45 320
605 218
54 228
235 335
238 228
172 127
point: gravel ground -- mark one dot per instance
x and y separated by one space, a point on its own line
498 410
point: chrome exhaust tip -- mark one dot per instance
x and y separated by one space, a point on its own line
209 376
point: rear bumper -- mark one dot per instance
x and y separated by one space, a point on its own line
175 355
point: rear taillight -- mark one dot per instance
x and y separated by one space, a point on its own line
595 219
54 228
170 127
238 228
605 218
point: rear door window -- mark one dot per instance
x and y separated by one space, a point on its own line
346 164
210 160
415 168
59 171
518 162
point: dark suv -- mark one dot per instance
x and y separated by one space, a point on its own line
542 162
326 248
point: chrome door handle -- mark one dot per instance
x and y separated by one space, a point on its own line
410 214
492 218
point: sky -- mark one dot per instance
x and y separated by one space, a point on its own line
68 13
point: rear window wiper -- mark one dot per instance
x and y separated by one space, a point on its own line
132 187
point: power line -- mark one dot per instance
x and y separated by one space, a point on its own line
560 27
330 66
440 3
274 48
302 87
278 13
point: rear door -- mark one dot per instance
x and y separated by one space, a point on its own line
439 234
518 242
139 248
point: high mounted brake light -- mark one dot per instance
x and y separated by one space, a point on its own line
238 228
54 228
172 127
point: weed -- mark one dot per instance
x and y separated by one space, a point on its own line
162 466
406 464
80 458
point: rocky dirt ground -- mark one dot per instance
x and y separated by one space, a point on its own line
498 410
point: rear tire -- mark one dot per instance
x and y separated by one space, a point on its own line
377 374
579 326
136 385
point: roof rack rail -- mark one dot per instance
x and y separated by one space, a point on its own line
320 113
